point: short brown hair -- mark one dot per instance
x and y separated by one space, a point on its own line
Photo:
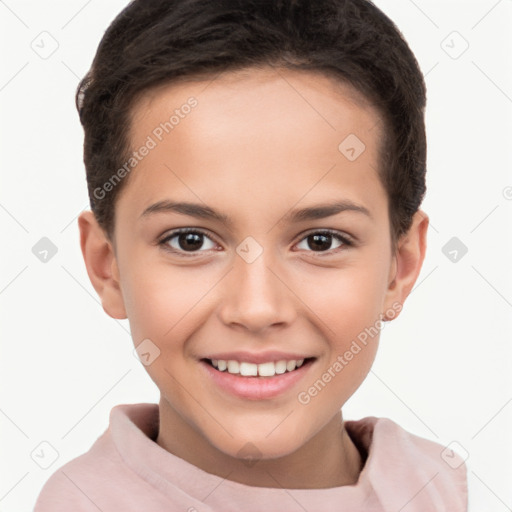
153 42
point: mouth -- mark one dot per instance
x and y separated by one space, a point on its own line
256 381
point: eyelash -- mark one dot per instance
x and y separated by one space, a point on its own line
345 239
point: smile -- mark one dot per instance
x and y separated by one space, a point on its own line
246 369
256 381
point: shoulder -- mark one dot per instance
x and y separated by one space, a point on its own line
69 486
435 475
92 480
63 490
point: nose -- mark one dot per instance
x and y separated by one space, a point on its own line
256 296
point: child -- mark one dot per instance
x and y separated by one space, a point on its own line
257 130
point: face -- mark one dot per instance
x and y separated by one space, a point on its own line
254 230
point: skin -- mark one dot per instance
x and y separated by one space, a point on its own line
259 144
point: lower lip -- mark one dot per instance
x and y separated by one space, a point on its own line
256 388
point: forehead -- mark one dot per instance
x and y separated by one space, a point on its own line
255 129
308 93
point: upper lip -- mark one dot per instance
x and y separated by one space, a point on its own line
258 357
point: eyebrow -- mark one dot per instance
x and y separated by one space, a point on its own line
320 211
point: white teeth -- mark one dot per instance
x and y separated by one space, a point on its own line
280 367
248 369
291 365
233 367
266 369
252 370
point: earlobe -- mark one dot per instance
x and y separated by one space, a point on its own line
101 265
408 261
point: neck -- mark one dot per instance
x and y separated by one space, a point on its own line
328 459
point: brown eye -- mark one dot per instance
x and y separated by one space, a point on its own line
186 240
321 241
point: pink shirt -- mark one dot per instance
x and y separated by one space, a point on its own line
125 470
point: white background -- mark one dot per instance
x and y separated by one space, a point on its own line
444 367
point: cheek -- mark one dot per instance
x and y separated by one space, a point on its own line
348 303
352 334
346 300
159 300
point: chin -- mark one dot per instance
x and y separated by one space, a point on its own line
261 447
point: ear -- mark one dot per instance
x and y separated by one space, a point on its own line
407 263
101 264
